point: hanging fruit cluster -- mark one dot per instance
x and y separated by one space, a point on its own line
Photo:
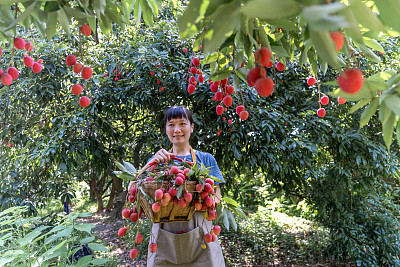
12 73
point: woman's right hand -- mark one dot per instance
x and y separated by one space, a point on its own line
162 156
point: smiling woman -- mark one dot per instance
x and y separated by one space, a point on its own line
178 242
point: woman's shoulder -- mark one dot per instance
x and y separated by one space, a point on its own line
203 155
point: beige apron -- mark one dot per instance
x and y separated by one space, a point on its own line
185 249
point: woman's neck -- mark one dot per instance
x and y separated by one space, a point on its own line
181 150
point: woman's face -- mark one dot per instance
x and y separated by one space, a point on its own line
179 130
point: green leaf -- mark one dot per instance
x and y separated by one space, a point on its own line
193 14
368 53
97 247
280 51
222 26
398 132
271 9
147 12
64 21
353 30
368 112
179 192
325 47
29 237
121 167
387 129
131 169
373 44
393 103
359 104
365 16
225 218
87 240
230 201
324 17
99 261
51 25
232 220
389 10
87 227
220 75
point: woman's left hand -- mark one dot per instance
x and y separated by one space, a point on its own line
218 196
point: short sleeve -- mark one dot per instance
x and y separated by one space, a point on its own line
214 169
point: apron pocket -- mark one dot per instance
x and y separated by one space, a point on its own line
180 248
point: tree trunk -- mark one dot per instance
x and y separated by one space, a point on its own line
92 190
117 188
99 190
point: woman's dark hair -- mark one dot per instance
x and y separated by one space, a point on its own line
178 112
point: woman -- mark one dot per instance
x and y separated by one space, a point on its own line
179 243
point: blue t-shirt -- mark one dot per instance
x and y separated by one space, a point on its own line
208 160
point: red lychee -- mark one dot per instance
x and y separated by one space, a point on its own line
219 96
13 72
214 87
87 72
227 101
311 81
280 66
217 229
152 73
70 60
85 30
138 238
153 246
174 169
191 88
6 79
84 101
196 61
341 100
201 79
269 65
37 67
133 253
208 238
156 207
338 38
172 191
350 81
179 181
230 89
161 89
262 56
324 100
321 112
28 46
239 109
188 197
244 115
210 181
121 232
126 213
265 86
158 194
76 89
19 43
77 67
254 74
28 61
219 109
184 50
199 188
134 217
193 70
230 122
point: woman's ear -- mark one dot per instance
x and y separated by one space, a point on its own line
192 126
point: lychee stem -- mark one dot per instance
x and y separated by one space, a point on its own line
319 91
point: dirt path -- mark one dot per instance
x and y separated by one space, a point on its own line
106 229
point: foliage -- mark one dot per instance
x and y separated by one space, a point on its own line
30 241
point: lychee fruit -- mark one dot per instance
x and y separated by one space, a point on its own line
19 43
219 109
230 89
208 238
191 88
152 73
227 101
321 112
85 30
219 96
210 181
84 101
158 194
153 246
341 100
70 60
133 253
76 89
87 72
174 169
350 81
28 46
338 38
172 191
182 203
244 115
121 232
77 67
196 61
28 61
126 213
217 229
280 66
6 79
239 109
201 79
156 207
214 87
184 50
138 238
37 67
193 70
265 86
134 216
254 74
324 100
262 56
188 197
13 72
311 81
179 181
199 188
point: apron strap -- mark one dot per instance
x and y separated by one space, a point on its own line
194 160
